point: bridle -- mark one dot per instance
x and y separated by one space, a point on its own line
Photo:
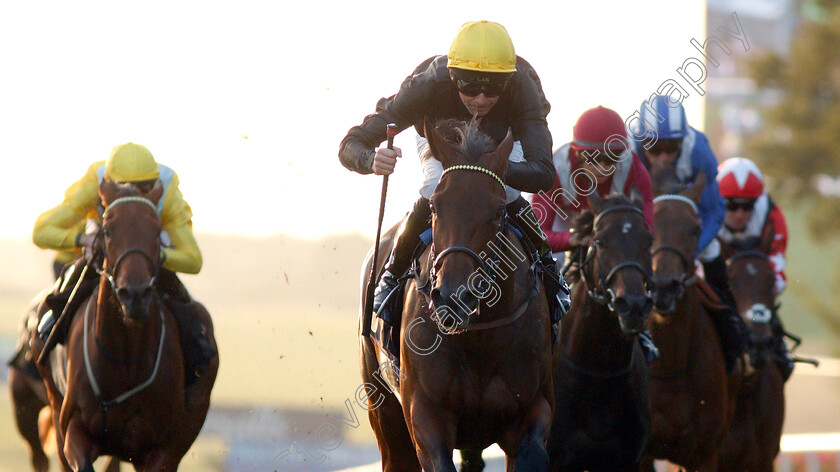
596 291
688 275
491 263
110 272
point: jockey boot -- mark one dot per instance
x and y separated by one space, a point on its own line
56 301
196 347
732 329
556 288
407 240
783 358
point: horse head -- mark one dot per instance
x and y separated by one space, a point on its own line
617 263
753 280
676 234
131 232
468 212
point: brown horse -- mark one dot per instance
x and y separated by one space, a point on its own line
125 393
602 415
690 397
33 416
476 335
755 435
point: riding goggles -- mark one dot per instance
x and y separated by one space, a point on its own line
669 146
473 84
746 204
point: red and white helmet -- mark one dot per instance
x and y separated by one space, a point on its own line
739 177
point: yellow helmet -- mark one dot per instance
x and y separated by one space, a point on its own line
131 162
482 46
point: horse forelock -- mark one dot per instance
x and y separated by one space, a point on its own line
466 138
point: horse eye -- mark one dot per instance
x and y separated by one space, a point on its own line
598 242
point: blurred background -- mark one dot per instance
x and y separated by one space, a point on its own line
248 102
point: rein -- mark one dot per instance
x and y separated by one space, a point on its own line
109 274
597 292
108 404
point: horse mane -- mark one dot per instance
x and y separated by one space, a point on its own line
466 137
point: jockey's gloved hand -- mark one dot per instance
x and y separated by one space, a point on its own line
89 242
579 239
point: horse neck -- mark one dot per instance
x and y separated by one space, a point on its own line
676 335
594 334
121 342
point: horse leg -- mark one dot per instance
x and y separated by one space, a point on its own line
471 460
433 431
78 447
113 465
529 452
27 409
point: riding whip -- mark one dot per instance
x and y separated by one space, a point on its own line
52 340
367 315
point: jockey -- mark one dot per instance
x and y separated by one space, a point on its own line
594 161
583 166
750 216
61 229
664 138
480 78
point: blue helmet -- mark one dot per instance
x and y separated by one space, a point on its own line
674 126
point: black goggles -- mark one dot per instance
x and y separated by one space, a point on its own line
669 146
733 204
474 89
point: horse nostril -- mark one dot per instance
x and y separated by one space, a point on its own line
622 305
147 292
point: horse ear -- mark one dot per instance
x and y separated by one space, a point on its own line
497 160
107 191
767 239
440 147
696 189
596 203
636 198
155 193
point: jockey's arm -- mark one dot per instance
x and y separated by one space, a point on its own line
778 248
543 208
712 208
183 254
58 228
530 127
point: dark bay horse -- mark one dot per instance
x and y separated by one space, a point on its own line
476 357
125 393
602 414
33 416
691 399
755 435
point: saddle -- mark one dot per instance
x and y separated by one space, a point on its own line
731 333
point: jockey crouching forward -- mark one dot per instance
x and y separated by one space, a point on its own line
665 139
599 159
480 78
751 215
59 229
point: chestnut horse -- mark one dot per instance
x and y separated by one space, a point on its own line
33 416
475 342
602 414
691 400
755 435
125 393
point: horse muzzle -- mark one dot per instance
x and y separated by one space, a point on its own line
632 311
666 294
135 301
452 313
